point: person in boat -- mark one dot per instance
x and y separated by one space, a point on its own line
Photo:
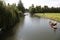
53 24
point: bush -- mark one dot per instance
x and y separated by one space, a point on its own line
20 13
9 16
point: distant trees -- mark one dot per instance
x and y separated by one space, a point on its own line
20 6
45 9
32 9
38 9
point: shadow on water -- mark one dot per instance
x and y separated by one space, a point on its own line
55 30
34 16
4 35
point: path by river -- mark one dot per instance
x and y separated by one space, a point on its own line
34 28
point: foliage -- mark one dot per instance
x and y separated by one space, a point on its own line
32 9
45 9
20 6
9 16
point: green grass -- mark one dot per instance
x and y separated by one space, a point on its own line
54 16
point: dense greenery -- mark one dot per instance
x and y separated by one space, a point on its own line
45 9
32 9
20 6
9 16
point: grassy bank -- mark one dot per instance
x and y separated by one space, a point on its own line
54 16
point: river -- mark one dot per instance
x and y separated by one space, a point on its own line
34 28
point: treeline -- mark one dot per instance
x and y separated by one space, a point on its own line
45 9
9 15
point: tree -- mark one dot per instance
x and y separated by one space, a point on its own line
20 6
32 9
8 16
38 9
46 9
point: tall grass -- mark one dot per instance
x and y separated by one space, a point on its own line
9 16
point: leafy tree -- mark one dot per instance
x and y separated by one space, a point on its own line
9 16
20 6
38 9
32 9
45 9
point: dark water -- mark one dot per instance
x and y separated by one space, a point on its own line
34 28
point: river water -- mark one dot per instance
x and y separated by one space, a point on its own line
34 28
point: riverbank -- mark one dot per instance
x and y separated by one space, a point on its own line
54 16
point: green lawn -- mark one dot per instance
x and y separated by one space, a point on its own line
54 16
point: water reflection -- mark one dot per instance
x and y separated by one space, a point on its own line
55 30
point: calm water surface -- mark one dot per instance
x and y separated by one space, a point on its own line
34 28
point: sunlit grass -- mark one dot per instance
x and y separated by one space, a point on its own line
54 16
